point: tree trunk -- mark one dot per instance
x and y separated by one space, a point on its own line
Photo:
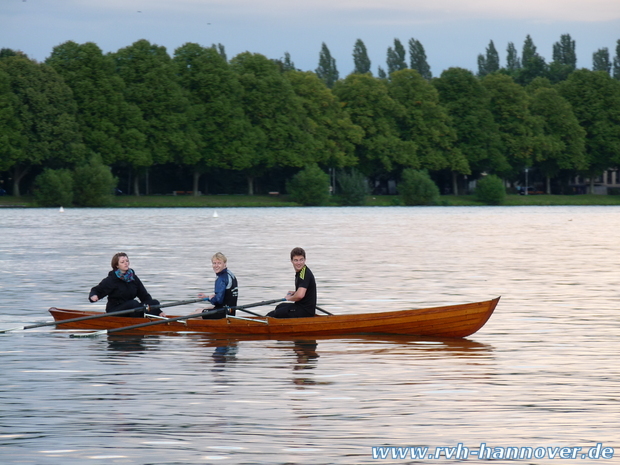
197 175
250 180
18 175
136 185
591 184
455 184
548 189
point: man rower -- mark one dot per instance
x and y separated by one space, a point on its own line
302 301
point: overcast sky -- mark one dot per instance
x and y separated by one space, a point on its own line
453 32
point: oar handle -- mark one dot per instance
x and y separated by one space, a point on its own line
180 302
324 311
243 310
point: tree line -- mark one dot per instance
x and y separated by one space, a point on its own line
214 121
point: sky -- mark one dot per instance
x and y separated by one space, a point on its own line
453 32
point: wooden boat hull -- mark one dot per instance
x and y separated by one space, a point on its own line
452 321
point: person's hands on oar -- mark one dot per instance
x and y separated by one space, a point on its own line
103 315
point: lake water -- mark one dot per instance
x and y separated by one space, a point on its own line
542 374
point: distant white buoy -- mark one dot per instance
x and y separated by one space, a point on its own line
61 210
215 215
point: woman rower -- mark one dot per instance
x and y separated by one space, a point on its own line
122 286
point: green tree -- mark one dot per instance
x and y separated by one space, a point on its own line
417 188
219 48
563 139
276 114
468 103
93 183
518 130
152 85
396 57
488 63
381 150
426 123
564 52
513 62
12 139
310 186
353 187
109 125
333 134
226 137
601 61
54 188
360 58
287 63
532 64
46 114
327 70
595 100
617 61
417 58
490 190
564 59
7 52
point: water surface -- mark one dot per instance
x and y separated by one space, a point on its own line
543 372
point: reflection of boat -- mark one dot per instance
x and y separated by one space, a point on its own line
127 343
452 321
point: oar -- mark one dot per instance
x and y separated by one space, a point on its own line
178 318
324 311
103 315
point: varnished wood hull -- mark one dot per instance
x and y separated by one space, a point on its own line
452 321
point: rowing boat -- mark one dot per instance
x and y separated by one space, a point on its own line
451 321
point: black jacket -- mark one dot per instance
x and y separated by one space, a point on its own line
119 291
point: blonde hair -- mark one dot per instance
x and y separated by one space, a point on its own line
219 256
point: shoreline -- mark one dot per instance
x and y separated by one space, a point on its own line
270 201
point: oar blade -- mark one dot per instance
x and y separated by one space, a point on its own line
93 334
104 315
18 328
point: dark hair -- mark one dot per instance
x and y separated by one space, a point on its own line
116 258
297 251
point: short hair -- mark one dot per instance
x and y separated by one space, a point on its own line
219 256
297 251
116 258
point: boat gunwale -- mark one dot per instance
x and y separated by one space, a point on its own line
461 320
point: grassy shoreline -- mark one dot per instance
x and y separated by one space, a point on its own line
226 201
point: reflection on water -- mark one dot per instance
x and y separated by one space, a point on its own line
306 360
541 373
122 343
225 352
